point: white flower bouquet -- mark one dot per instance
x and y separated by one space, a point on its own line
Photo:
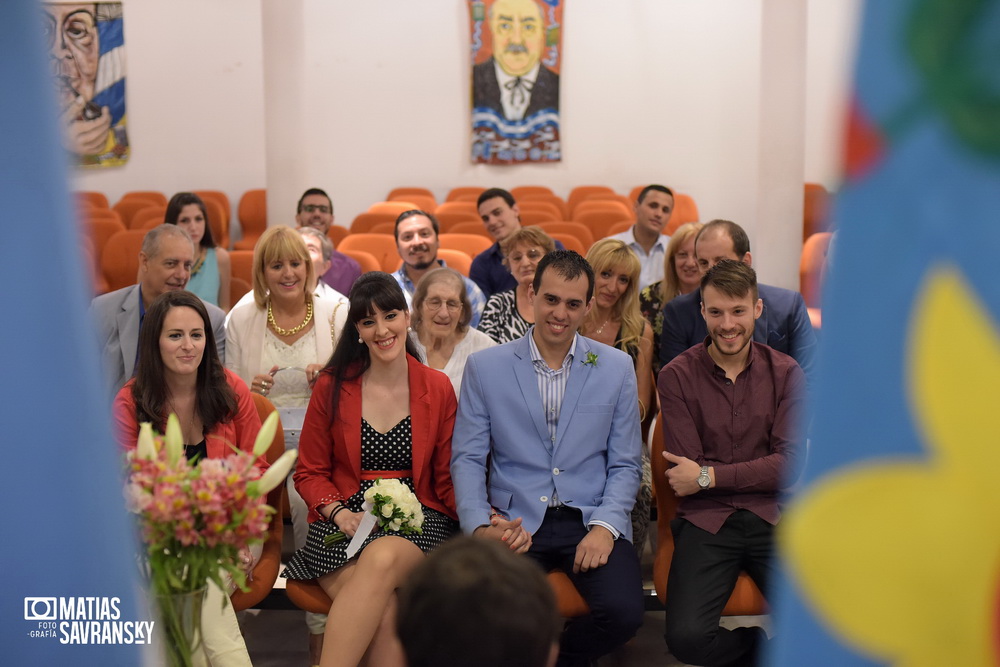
394 507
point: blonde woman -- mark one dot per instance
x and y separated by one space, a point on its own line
681 275
615 320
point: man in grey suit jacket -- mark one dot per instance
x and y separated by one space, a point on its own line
165 262
783 325
546 455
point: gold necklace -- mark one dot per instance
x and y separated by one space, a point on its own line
294 330
601 330
201 261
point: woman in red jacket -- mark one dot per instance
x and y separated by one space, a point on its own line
375 411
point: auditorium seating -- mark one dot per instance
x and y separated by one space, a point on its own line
252 214
812 270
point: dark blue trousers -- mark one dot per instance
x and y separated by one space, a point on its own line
613 591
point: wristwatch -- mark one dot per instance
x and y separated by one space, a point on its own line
703 479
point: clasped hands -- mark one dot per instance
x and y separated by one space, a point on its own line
591 553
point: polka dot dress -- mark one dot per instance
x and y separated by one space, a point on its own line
379 451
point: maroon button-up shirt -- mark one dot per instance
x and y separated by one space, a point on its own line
747 430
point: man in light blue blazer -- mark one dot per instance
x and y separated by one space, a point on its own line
783 325
546 455
165 262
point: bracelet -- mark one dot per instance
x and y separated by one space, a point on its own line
339 507
642 411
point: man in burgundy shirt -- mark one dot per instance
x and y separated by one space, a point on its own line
729 409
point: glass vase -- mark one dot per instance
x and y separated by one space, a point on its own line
180 619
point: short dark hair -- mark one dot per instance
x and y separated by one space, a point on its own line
313 191
731 277
568 264
474 602
215 401
741 242
414 212
177 204
495 192
659 188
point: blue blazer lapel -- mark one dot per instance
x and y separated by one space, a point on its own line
524 371
578 375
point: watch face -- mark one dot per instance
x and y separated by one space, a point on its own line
704 481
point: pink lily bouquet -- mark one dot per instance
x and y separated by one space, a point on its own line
195 520
394 507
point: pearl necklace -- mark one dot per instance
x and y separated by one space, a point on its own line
294 330
601 329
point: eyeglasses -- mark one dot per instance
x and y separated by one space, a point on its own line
435 304
312 208
533 255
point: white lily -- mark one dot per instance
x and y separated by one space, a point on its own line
173 440
276 473
265 436
145 447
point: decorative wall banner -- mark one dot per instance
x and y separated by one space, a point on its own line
516 58
87 51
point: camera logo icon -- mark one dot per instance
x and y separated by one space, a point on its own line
40 609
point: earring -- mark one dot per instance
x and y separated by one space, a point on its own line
361 341
409 328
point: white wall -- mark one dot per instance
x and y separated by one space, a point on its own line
365 96
194 91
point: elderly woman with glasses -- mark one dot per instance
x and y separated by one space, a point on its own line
441 316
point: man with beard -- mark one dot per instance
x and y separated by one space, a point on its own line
729 409
417 244
784 321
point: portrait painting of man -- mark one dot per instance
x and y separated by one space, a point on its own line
515 81
87 57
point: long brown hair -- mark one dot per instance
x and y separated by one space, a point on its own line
215 400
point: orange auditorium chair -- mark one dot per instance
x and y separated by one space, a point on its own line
336 234
812 270
261 580
581 232
149 217
614 196
581 192
470 244
620 227
449 220
127 208
470 228
217 222
92 197
238 288
558 202
685 210
363 222
746 599
241 263
99 225
381 246
252 214
366 260
454 193
401 193
456 259
222 199
383 228
392 207
120 258
420 202
154 195
570 242
458 207
523 190
815 210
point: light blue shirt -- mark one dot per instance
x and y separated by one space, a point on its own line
476 298
652 263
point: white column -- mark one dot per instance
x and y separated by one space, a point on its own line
776 242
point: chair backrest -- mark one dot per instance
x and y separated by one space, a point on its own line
381 246
336 234
815 210
449 220
456 259
363 223
218 222
120 258
241 265
812 267
238 288
470 244
401 193
620 227
537 217
554 210
149 217
366 260
555 200
600 222
422 202
467 196
127 208
624 212
468 207
100 225
612 196
570 242
252 214
685 210
383 228
579 193
465 190
582 232
470 227
523 190
92 197
392 207
221 198
153 195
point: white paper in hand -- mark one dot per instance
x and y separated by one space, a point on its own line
364 530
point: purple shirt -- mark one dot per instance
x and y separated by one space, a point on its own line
343 272
747 430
